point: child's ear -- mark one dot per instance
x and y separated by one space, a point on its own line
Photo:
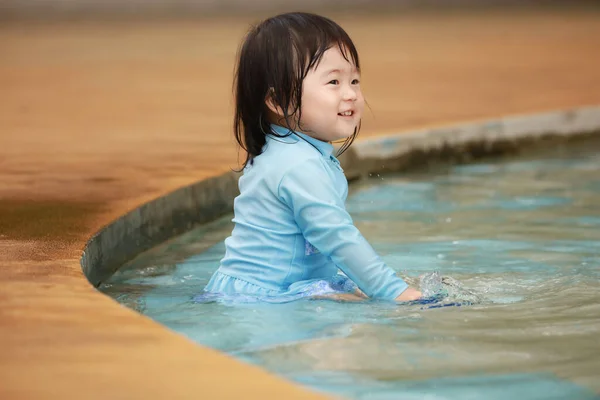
272 105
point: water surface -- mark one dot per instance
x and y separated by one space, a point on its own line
522 235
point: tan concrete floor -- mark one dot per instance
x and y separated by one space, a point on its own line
98 117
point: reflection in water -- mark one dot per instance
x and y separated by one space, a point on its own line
518 239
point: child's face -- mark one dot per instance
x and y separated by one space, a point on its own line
332 102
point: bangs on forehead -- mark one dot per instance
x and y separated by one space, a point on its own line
311 40
347 53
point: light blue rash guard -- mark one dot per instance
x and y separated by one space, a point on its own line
292 228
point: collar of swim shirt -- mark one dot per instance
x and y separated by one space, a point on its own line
326 149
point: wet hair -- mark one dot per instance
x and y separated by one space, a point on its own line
275 57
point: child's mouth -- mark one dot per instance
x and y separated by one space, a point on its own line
346 113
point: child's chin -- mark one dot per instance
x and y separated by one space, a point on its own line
344 135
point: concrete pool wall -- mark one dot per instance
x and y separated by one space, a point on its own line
207 200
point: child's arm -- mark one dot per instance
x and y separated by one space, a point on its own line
409 294
321 215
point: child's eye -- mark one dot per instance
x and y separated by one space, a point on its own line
355 82
334 82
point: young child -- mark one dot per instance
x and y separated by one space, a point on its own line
297 90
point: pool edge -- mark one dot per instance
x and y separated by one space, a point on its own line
183 209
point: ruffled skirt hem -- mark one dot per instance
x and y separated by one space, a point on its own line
225 289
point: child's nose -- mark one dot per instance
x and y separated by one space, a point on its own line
350 94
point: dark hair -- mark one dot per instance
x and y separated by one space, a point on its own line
273 60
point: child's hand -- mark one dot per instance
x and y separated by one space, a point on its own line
409 295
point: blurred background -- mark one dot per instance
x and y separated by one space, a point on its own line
179 7
112 103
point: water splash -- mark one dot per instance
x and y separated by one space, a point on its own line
444 291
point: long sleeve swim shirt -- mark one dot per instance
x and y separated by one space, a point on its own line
291 224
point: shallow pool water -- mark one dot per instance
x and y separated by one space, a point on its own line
521 235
